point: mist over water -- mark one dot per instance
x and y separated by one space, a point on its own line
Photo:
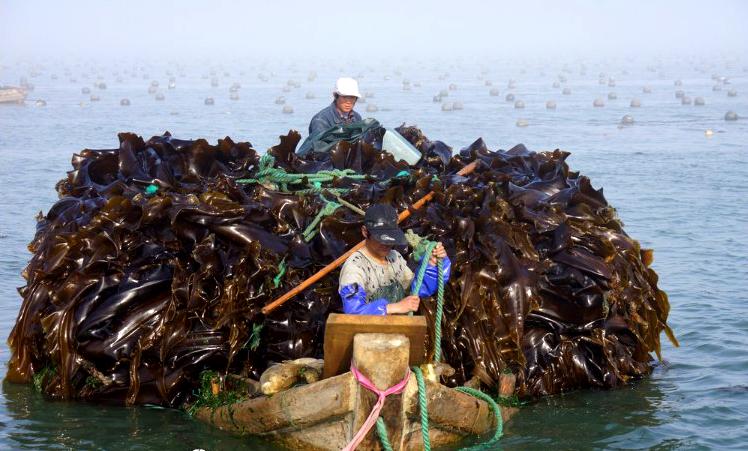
678 189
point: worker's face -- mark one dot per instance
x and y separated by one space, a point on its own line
375 247
345 103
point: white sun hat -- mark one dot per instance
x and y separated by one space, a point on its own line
346 86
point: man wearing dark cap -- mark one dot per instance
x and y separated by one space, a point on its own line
374 280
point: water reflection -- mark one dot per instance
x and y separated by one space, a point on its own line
29 421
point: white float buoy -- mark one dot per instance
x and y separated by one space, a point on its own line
709 133
566 91
716 88
522 123
494 92
732 93
452 87
509 97
280 100
678 83
446 106
519 104
152 89
124 102
287 109
86 90
679 94
209 101
685 100
647 90
160 96
550 105
371 108
309 95
612 96
234 96
627 120
40 103
556 84
731 116
598 103
698 101
457 106
437 99
443 93
636 103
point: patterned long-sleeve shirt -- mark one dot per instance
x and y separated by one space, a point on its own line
366 286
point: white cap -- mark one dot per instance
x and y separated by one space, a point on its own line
346 86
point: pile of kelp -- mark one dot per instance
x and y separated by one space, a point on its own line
155 262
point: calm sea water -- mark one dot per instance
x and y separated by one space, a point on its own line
678 191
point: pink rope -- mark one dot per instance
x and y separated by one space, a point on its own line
381 395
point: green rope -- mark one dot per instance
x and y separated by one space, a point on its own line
494 408
422 249
350 206
325 211
439 311
424 413
423 408
268 173
281 271
382 433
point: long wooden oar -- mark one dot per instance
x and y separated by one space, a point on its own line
340 260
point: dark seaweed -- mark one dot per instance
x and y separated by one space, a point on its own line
133 290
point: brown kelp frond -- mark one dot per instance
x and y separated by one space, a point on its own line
155 262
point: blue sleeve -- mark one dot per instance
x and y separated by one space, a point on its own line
430 282
354 302
317 125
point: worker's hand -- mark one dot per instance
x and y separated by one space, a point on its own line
437 253
405 305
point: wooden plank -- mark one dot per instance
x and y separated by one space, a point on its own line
294 409
340 330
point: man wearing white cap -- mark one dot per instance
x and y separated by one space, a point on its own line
340 111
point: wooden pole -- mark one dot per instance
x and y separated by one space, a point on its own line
340 260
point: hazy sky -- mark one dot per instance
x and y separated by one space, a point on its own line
189 28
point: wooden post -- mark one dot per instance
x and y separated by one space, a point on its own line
383 359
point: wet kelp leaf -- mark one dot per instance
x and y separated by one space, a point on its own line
154 264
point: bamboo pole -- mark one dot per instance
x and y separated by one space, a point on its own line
340 260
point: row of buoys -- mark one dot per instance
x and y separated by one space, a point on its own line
452 106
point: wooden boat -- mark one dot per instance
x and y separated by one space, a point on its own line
9 94
325 415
